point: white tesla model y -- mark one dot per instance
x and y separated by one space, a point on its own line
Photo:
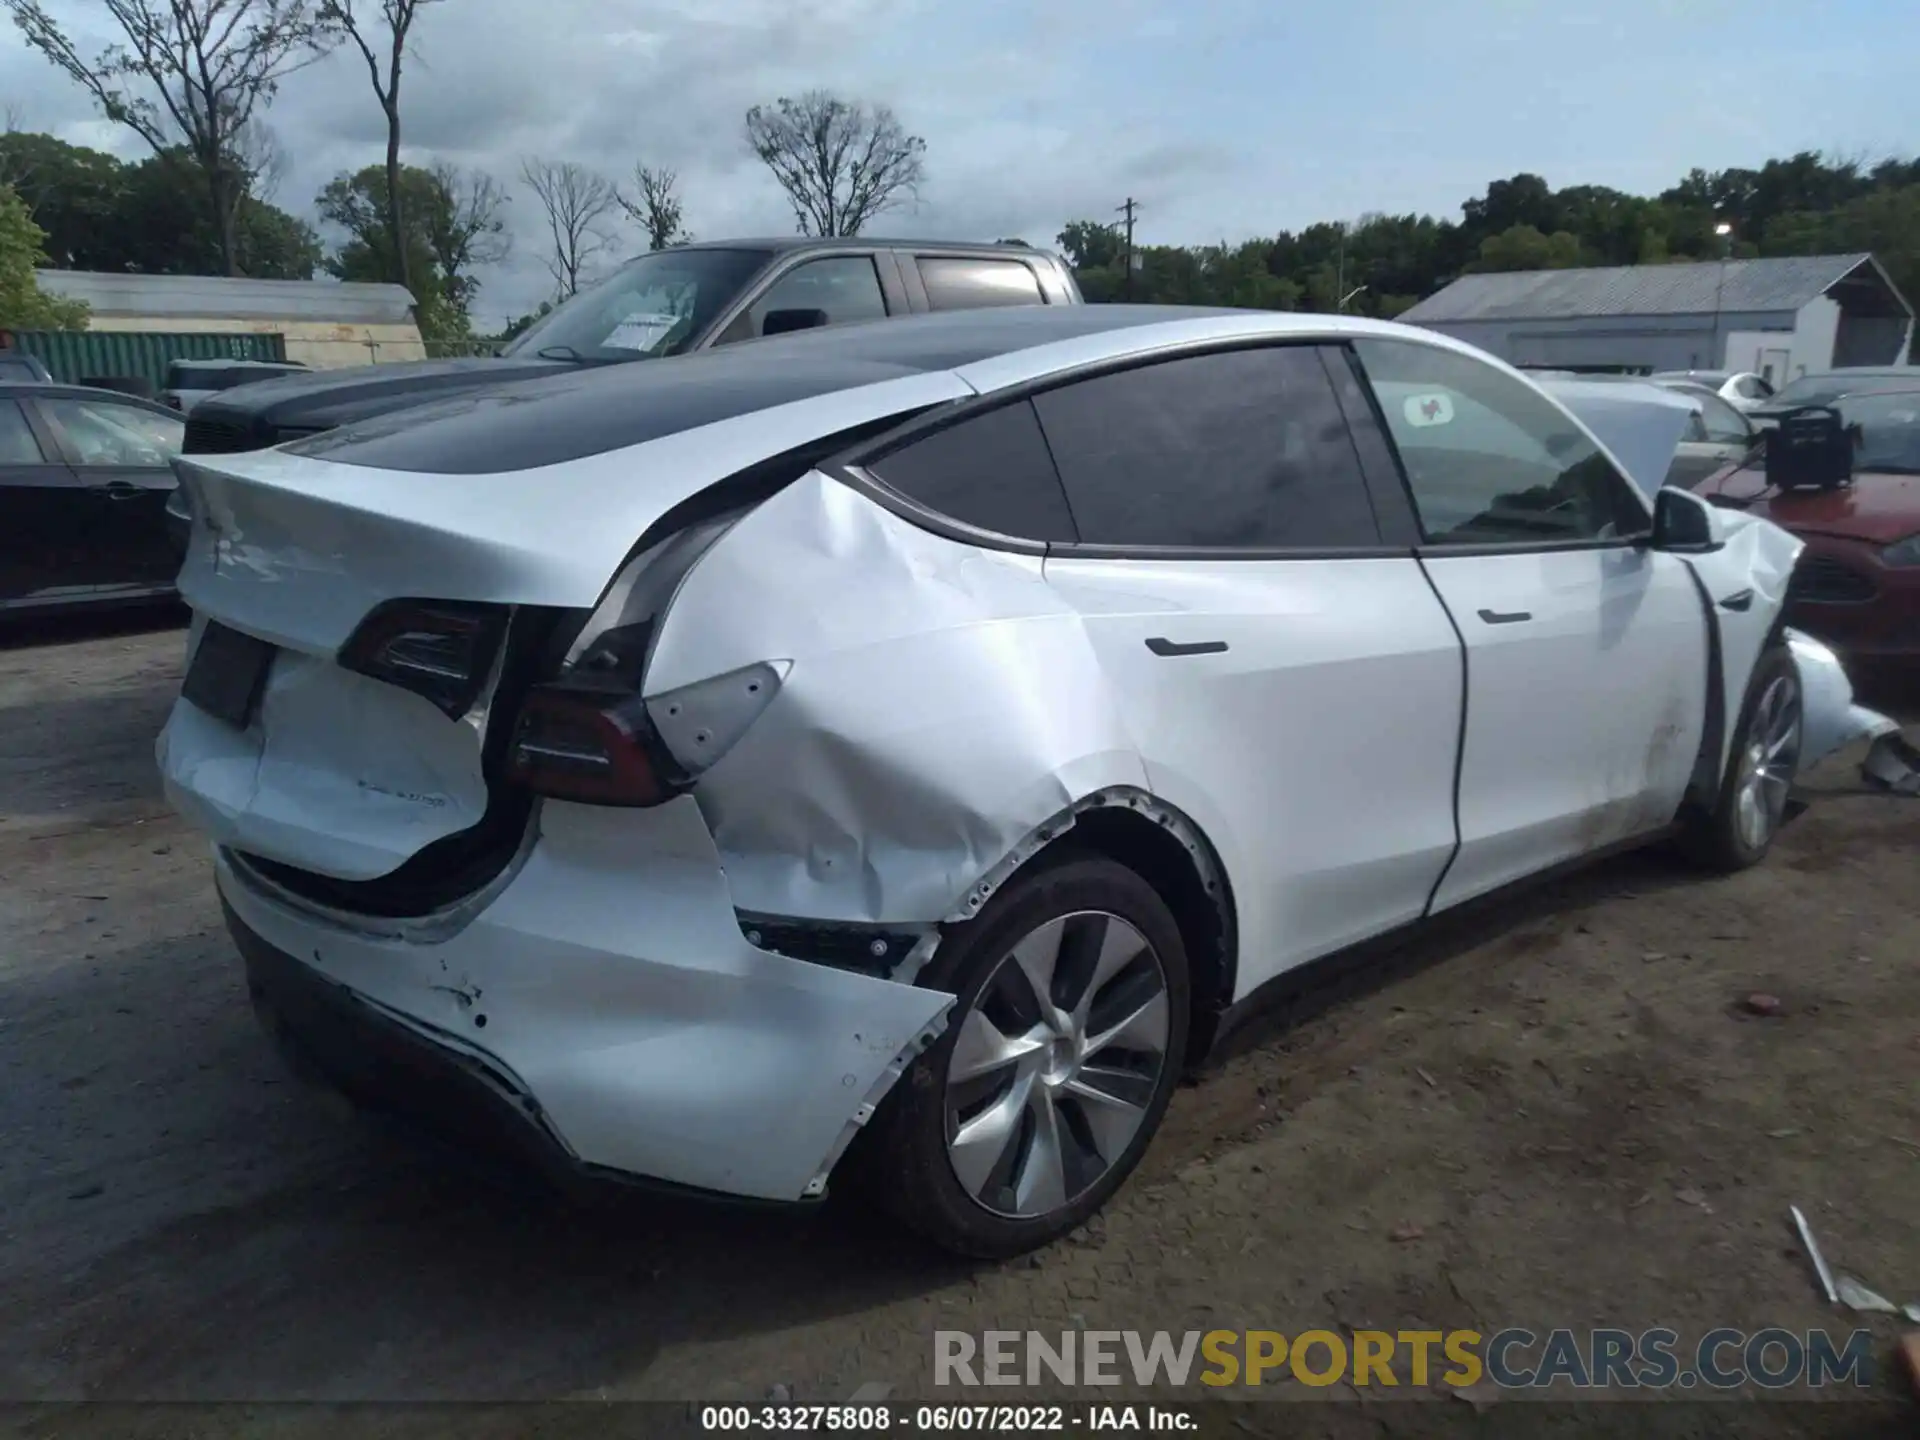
931 733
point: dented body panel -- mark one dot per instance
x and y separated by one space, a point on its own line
651 1050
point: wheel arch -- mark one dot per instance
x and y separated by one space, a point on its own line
1164 846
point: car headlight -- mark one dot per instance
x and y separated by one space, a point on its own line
1902 552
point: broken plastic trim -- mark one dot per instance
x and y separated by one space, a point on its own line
870 1102
878 950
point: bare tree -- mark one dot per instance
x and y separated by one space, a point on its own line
14 169
383 68
469 230
577 202
840 162
655 206
260 159
209 64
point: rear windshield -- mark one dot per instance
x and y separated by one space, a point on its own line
19 370
1825 389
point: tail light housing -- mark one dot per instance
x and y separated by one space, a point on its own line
587 735
442 650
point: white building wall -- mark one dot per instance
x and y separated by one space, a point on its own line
1814 334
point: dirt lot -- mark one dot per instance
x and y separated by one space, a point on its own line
1559 1115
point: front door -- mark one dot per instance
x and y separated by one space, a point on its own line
123 454
1586 651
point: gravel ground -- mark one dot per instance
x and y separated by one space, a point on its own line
1557 1114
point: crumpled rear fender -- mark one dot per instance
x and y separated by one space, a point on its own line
943 706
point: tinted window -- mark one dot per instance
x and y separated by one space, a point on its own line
1243 449
978 284
1488 458
992 471
839 290
102 433
17 445
18 370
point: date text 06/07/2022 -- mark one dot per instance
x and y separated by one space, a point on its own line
943 1419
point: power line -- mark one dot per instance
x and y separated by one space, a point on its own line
1128 210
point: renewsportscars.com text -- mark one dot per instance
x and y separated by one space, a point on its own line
1513 1359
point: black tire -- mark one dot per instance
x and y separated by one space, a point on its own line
1719 839
908 1168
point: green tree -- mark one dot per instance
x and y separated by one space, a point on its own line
23 304
73 193
162 227
1522 247
452 223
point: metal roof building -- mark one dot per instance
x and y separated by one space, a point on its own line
323 323
221 297
1781 317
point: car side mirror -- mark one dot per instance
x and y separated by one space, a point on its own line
785 322
1810 449
1683 522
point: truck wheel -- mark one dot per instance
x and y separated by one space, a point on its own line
1059 1058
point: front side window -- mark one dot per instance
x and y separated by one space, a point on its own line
1242 449
991 471
102 433
1488 458
836 290
17 445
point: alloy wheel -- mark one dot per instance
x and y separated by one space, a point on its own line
1769 762
1056 1064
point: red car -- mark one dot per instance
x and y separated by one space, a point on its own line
1857 587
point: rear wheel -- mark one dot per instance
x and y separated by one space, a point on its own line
1752 802
1056 1067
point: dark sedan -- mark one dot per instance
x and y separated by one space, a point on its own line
1857 587
85 477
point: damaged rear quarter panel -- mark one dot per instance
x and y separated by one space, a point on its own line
943 702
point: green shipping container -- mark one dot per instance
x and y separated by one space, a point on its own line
76 355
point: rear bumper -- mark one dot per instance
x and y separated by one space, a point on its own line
601 1011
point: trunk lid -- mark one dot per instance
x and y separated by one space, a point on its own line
349 778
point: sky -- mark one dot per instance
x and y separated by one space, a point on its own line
1224 119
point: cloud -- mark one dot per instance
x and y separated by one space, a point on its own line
1223 118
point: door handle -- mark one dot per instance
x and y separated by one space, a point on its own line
1740 600
1505 617
1167 649
123 490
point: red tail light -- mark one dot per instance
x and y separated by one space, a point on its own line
595 748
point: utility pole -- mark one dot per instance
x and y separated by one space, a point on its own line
1127 210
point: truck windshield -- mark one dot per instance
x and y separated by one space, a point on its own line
652 306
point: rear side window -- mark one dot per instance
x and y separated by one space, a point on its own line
991 471
1488 458
954 284
1244 449
17 445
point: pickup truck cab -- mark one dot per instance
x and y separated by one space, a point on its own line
672 302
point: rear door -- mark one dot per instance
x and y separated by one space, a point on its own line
1586 650
123 454
47 517
1288 674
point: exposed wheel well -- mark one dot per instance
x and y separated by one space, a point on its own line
1188 878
